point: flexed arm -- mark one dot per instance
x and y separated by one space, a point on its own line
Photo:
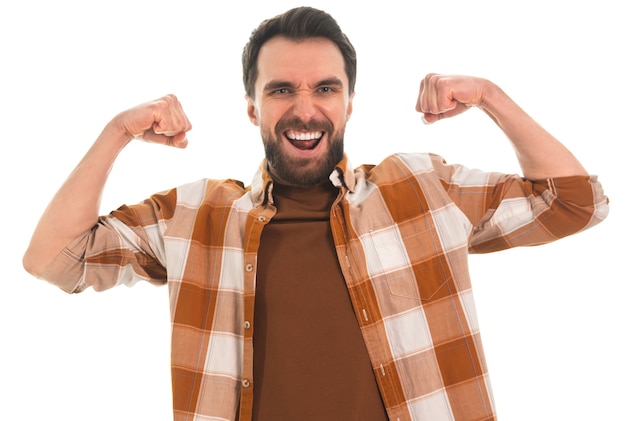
74 209
539 153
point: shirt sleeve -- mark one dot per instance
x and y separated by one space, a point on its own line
511 211
124 247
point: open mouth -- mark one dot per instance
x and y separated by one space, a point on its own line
304 140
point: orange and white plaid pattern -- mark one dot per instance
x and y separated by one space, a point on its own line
402 229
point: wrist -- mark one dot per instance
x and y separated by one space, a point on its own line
116 132
495 102
492 96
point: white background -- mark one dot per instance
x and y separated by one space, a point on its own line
551 316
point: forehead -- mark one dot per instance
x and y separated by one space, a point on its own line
282 58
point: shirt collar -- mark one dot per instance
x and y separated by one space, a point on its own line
342 177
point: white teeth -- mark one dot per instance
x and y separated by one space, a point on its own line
304 136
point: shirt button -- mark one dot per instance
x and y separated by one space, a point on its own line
249 267
246 324
262 218
245 383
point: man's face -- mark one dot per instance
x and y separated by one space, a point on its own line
301 105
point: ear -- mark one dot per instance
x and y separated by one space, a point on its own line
252 114
349 107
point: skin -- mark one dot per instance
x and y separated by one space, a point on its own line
161 121
299 83
301 93
539 153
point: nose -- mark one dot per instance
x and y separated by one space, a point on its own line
304 106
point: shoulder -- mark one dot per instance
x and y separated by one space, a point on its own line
402 165
207 190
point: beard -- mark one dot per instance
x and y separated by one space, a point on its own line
298 171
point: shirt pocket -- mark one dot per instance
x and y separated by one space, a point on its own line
407 267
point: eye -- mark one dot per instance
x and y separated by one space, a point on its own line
326 90
280 91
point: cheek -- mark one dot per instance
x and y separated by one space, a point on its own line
268 116
338 111
267 123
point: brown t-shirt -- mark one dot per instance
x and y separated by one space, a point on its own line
310 361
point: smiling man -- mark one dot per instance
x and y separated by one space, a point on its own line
318 292
301 101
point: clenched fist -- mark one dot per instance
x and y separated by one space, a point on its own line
160 121
443 96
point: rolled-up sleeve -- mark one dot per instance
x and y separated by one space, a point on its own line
124 247
522 212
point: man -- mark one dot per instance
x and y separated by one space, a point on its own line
318 292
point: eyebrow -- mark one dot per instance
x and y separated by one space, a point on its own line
278 84
331 81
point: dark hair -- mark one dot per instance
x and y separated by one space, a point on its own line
298 23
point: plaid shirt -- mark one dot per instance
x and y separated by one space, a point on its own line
402 229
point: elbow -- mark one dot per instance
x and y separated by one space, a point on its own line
600 212
32 264
38 257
